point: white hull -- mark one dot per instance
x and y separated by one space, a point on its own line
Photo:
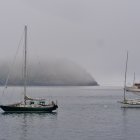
130 104
132 89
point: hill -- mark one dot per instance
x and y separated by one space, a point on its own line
48 73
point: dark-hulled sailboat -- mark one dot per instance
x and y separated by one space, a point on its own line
29 104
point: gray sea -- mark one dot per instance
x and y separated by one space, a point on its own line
84 113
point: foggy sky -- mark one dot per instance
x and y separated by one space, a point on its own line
92 33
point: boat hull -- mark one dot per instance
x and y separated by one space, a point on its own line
16 109
132 89
130 106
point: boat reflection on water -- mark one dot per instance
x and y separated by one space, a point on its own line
29 124
45 114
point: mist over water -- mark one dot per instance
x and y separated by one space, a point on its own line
47 72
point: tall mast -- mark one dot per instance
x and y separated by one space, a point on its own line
25 64
134 79
125 76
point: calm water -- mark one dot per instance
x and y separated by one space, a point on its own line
85 113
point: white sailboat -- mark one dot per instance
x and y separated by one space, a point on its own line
134 88
29 104
127 103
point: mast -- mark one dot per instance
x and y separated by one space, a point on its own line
25 64
125 75
134 79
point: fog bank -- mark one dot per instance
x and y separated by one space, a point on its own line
47 73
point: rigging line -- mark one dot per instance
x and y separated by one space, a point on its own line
9 70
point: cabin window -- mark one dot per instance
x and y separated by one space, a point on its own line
31 102
42 102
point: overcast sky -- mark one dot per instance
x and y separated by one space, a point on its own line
92 33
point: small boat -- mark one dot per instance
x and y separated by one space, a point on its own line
130 103
135 103
29 104
134 88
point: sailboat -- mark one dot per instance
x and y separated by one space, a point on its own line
128 103
29 104
135 87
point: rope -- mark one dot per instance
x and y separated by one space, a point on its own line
13 63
